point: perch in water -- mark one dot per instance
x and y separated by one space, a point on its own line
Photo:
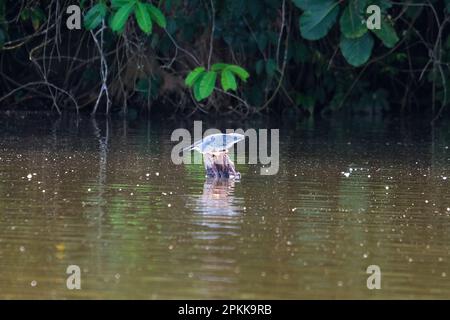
215 154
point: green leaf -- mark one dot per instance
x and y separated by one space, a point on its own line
193 76
37 17
319 17
121 16
360 5
228 80
25 14
387 34
271 67
142 85
116 4
259 66
38 13
357 51
82 4
305 101
261 40
219 66
156 15
207 84
351 22
383 4
94 16
196 88
239 71
303 4
143 17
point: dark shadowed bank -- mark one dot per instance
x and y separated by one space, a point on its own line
225 57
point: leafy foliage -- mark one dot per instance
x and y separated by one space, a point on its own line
352 21
306 56
204 81
357 50
143 17
144 13
121 16
387 33
95 15
320 16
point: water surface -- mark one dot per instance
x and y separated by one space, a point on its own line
105 196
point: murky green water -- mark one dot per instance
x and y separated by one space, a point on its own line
106 197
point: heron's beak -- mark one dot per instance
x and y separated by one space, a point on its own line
190 148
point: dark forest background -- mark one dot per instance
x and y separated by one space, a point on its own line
226 57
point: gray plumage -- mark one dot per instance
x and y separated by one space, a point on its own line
214 143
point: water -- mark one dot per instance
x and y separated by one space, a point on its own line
105 196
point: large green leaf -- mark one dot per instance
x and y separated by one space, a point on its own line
352 22
193 76
121 16
207 84
357 51
239 71
143 17
228 80
156 15
94 16
319 17
387 33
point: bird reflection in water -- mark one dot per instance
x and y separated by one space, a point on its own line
218 197
218 208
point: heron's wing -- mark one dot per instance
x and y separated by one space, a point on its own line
215 143
226 141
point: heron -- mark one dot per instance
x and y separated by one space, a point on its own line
215 154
